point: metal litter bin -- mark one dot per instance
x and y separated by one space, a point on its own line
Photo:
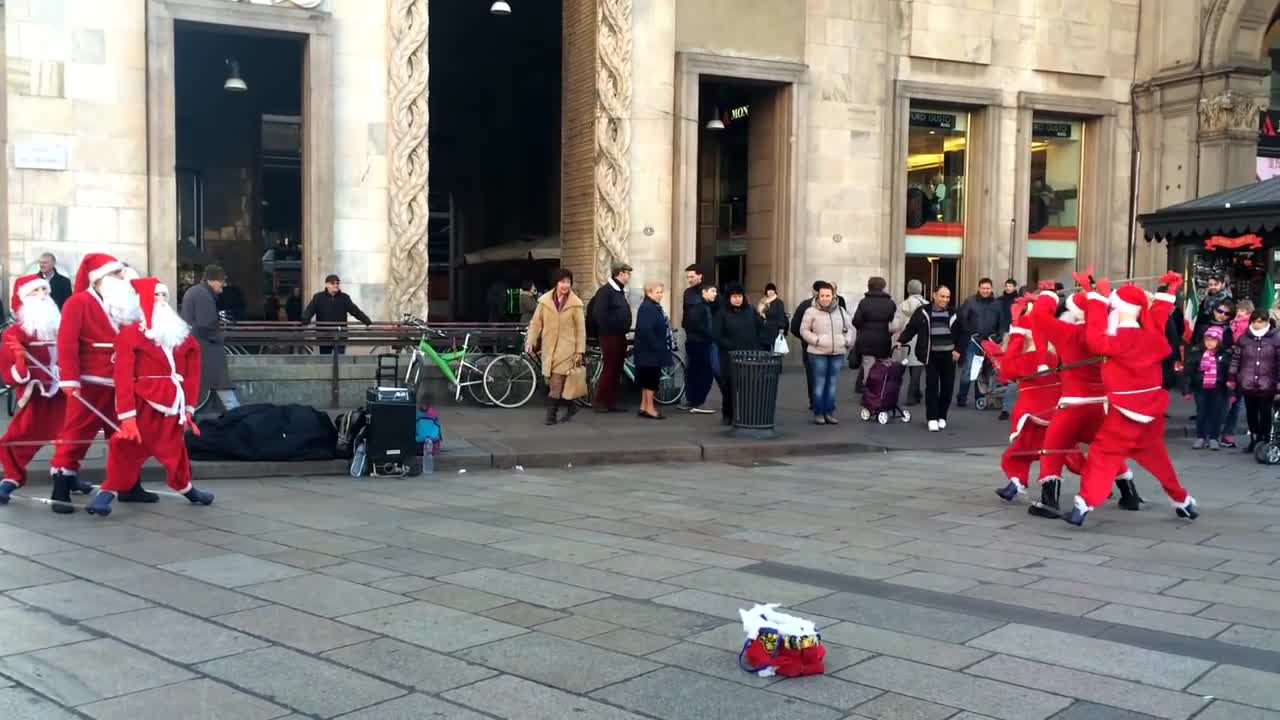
755 392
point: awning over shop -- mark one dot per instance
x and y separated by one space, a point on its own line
542 248
1248 209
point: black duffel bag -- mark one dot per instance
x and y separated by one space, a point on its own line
278 433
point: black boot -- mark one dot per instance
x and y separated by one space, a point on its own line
1129 498
552 406
138 494
75 484
570 409
1049 504
61 495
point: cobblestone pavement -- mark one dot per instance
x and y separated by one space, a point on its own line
612 593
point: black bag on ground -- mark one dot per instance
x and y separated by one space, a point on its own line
263 432
350 425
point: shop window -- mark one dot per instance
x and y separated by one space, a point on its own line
937 143
1053 208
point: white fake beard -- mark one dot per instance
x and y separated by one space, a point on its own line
121 300
40 317
168 329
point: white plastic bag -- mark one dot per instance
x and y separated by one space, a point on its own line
975 367
780 343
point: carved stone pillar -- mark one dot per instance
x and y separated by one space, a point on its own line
613 134
1228 133
407 141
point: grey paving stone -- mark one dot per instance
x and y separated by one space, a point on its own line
192 596
90 671
1087 686
613 527
16 702
564 664
463 530
1091 711
233 570
403 584
673 694
359 572
1226 594
234 543
909 647
593 579
936 582
25 542
511 697
576 627
741 584
295 629
956 689
174 635
1245 616
1125 579
707 603
826 690
649 567
967 571
104 535
1253 637
412 562
861 566
632 642
1035 599
904 617
472 554
1093 655
27 629
201 698
997 559
1250 568
433 626
78 599
303 683
165 551
551 548
1157 620
522 614
523 587
1104 593
791 542
892 706
320 542
721 662
649 617
414 707
460 598
409 665
1169 569
840 657
681 552
323 595
16 572
1223 710
304 559
1251 687
95 565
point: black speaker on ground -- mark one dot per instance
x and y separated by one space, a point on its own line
390 436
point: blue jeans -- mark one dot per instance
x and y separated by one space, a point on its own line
1213 408
826 375
699 374
970 351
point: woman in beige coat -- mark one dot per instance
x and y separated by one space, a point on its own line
559 329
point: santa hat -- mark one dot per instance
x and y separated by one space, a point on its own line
93 268
22 289
1129 298
1075 303
146 289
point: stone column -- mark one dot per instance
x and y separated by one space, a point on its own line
652 130
1228 139
613 134
407 149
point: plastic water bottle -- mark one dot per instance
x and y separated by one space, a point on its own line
428 457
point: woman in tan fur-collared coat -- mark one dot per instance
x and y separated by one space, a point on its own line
559 330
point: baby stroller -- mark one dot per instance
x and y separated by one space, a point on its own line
990 390
1268 451
881 390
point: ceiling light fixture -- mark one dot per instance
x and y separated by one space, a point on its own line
716 123
234 82
500 7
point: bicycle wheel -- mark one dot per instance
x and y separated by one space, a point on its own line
510 380
671 386
471 377
414 372
592 361
203 399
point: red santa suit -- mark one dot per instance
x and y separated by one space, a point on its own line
157 373
28 365
1135 423
1037 399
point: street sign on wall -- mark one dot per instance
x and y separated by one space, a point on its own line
1269 134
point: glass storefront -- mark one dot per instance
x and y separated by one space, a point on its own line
937 146
1053 208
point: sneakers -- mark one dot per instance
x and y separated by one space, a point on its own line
1010 491
6 489
199 497
1214 445
100 504
701 411
138 494
819 420
942 424
1199 444
1187 509
933 426
1228 441
831 420
1004 415
1078 512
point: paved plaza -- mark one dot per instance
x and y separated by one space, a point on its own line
612 592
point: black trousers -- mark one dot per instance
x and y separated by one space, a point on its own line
940 381
1257 410
914 373
808 374
725 381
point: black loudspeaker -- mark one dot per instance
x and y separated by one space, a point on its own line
390 436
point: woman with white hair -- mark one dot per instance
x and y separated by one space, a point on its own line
652 351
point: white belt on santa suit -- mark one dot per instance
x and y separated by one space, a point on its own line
1132 415
179 399
98 379
31 386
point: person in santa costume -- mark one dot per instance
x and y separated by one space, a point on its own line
27 361
157 374
1028 361
102 302
1121 327
1082 406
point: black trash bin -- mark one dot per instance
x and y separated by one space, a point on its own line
755 392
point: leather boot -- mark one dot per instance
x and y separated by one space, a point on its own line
570 409
138 494
1049 505
1129 498
552 407
61 494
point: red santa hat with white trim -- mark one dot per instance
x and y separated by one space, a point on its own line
22 289
1128 298
93 268
146 289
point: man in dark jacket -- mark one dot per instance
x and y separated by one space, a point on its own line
875 313
1006 303
737 327
980 317
611 317
331 305
796 319
200 310
1216 293
59 284
699 320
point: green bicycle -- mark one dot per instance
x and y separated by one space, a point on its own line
488 380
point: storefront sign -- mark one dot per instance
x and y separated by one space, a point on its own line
1269 134
739 113
942 121
1221 242
41 155
1051 129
